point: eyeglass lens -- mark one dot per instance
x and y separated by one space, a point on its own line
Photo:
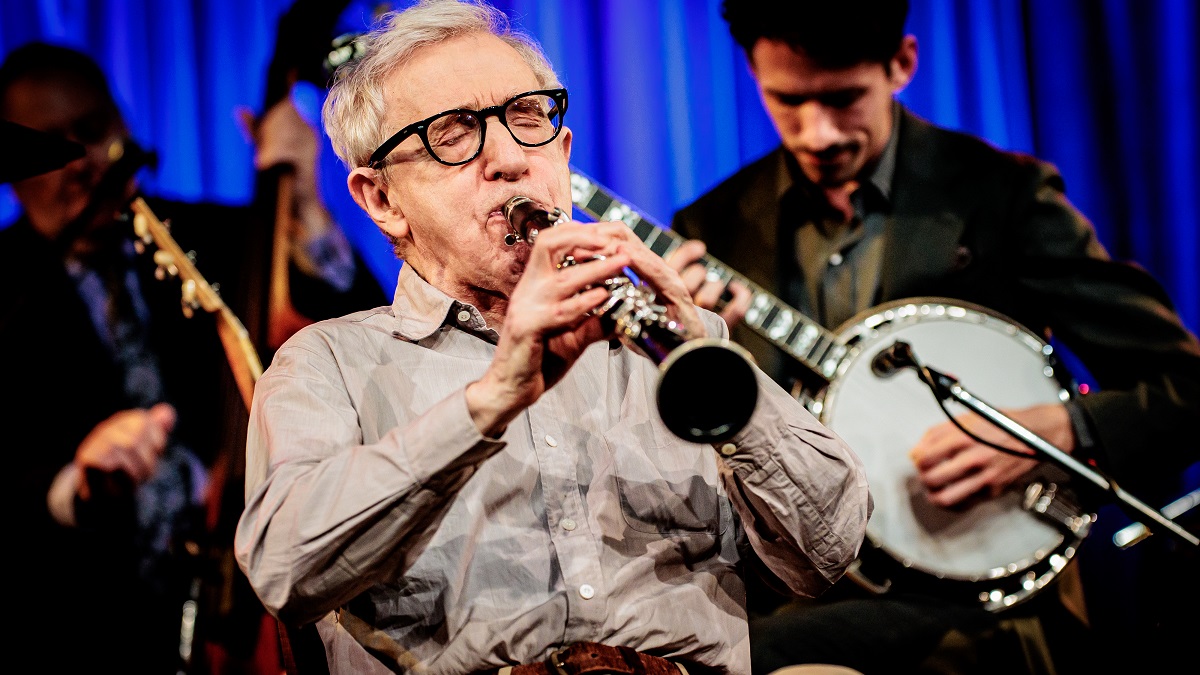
457 136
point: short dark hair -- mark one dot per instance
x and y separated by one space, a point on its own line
834 33
40 59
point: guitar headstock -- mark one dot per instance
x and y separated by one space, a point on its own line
197 293
172 261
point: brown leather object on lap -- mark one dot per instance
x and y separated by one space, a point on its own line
581 658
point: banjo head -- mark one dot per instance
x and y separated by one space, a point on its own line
997 551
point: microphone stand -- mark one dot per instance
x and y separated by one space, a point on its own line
900 355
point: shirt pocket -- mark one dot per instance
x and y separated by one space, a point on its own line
668 488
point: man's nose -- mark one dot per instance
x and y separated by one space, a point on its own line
503 157
817 127
100 154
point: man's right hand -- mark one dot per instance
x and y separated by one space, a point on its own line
705 292
129 442
548 323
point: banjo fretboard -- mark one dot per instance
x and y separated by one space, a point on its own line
784 326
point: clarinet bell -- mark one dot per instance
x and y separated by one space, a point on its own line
707 390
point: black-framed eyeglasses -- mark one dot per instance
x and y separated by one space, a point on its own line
456 136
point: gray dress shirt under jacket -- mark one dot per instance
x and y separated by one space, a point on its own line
370 488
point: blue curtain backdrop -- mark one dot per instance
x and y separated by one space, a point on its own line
663 106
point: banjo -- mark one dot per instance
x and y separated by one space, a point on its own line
997 552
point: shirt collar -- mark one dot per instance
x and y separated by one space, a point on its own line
885 170
421 310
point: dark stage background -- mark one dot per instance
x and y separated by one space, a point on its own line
663 106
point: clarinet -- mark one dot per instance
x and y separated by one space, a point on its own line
707 388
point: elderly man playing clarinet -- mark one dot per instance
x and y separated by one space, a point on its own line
476 479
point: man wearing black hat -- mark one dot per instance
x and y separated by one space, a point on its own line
125 412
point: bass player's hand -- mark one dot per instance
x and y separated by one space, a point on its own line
128 443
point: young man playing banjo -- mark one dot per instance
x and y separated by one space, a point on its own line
865 204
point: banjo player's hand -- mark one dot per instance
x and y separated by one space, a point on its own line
547 325
706 292
954 467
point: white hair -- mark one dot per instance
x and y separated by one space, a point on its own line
354 110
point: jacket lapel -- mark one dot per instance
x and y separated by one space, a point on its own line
922 237
756 242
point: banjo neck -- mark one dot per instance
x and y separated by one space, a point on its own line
815 347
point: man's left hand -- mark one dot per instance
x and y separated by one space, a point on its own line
669 287
282 136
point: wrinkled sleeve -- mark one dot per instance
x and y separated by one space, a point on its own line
800 491
326 515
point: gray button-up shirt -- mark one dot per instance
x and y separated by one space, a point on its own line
369 487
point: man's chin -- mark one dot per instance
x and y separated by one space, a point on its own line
829 171
829 175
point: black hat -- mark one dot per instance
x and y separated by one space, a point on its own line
26 152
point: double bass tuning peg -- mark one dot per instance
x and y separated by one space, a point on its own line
166 265
188 299
141 229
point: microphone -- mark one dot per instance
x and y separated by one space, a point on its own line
893 358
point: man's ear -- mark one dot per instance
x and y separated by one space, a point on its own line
903 64
565 138
369 191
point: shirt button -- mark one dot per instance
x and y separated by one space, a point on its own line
835 259
728 449
464 316
587 592
551 442
568 524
